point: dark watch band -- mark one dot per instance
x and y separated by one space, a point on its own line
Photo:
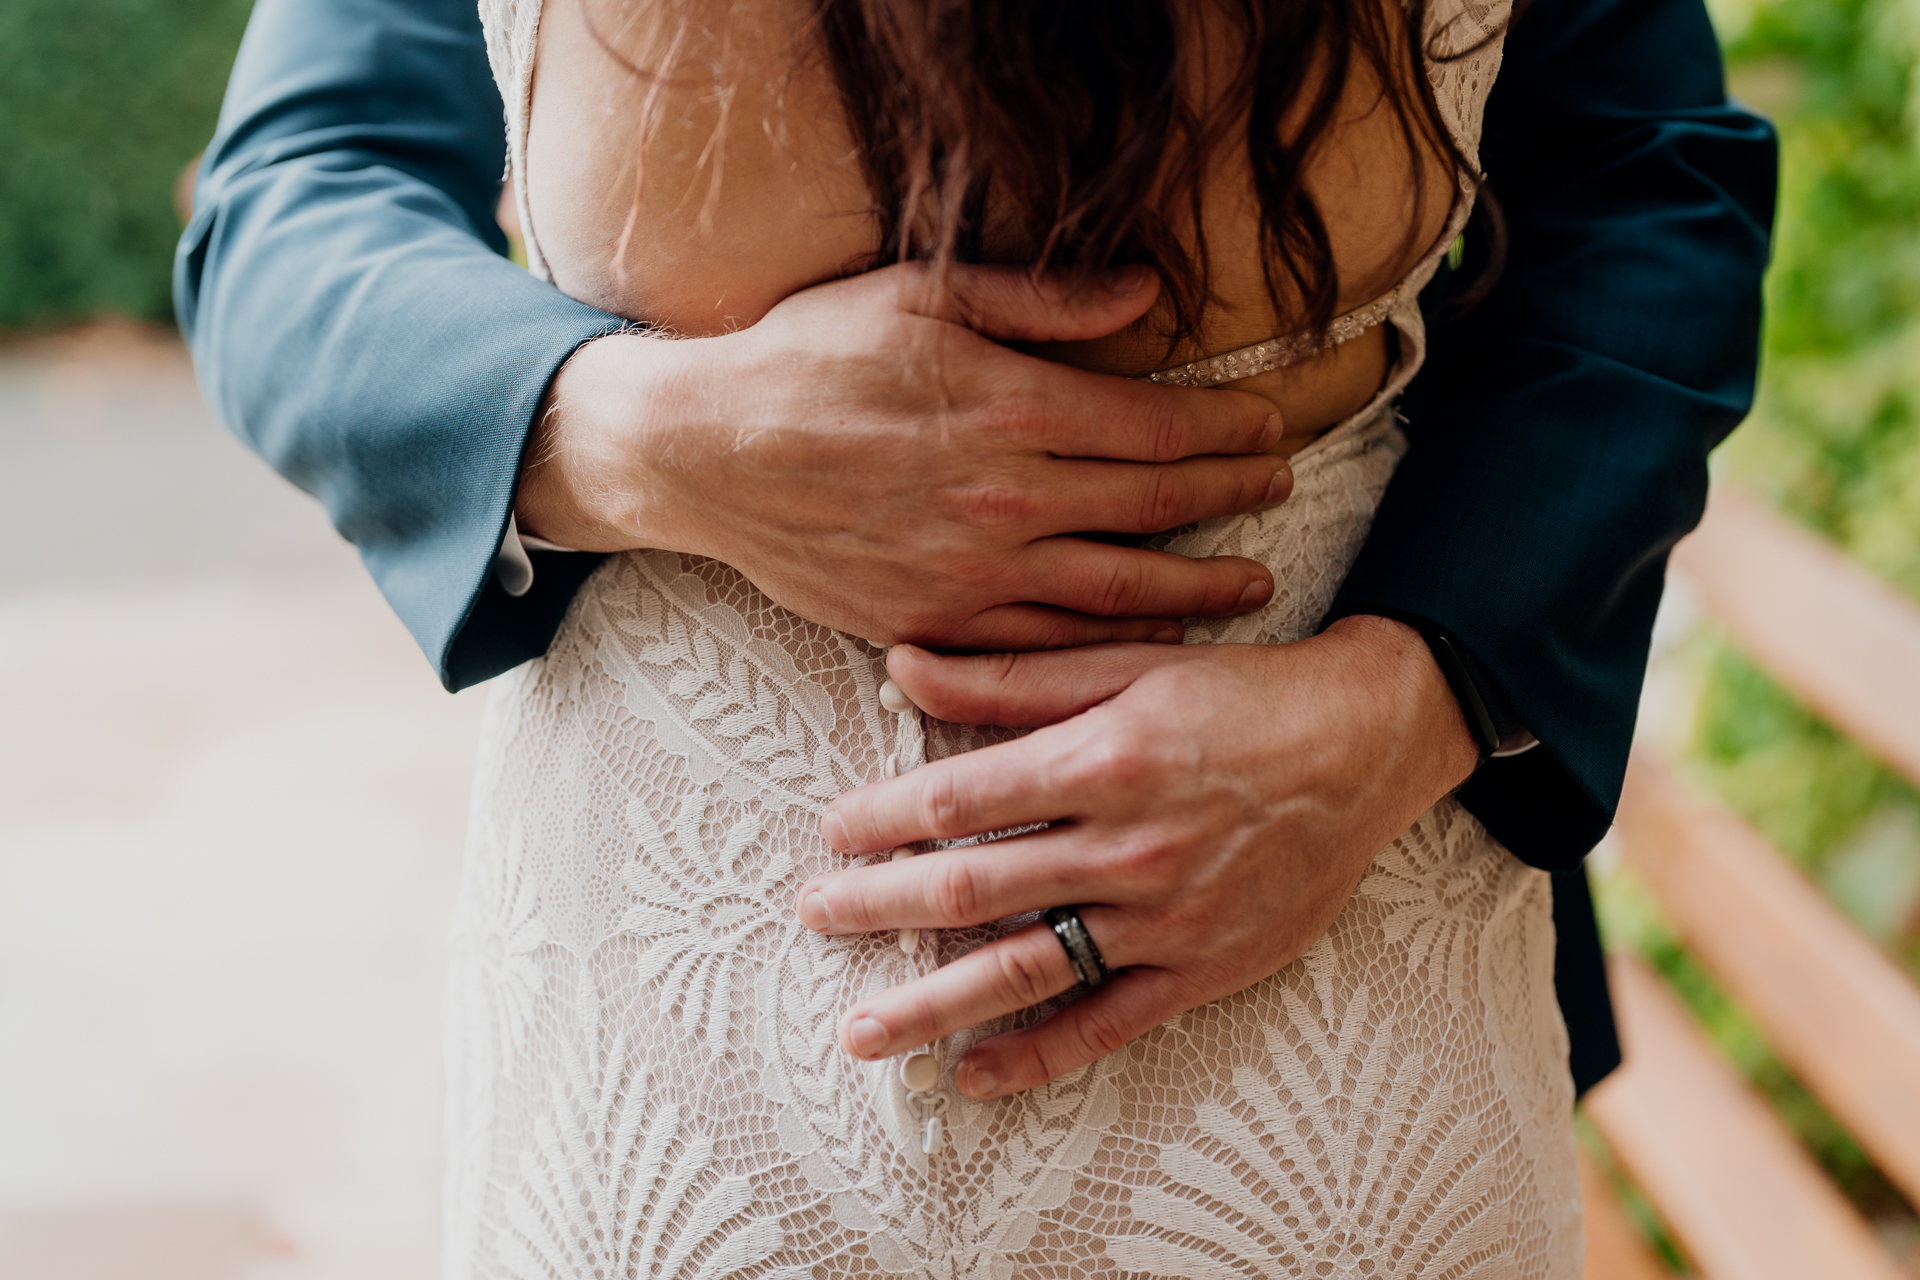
1490 718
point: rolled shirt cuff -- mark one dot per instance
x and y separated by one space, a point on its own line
512 566
1517 743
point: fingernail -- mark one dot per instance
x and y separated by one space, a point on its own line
815 913
1256 594
868 1037
834 832
1124 282
976 1082
1270 433
1279 489
1168 635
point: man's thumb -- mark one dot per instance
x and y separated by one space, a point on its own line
1013 304
1024 690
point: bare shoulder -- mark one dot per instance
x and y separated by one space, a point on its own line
688 165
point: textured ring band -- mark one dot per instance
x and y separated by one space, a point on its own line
1081 953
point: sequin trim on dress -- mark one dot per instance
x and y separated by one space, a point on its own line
1277 353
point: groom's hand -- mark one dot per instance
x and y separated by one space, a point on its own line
872 457
1212 809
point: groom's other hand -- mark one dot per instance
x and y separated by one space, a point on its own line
874 459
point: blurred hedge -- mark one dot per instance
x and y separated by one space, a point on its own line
101 104
1834 443
1835 437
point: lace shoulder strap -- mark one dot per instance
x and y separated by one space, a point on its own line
512 29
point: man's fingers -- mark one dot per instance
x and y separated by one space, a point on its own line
1071 413
1009 785
1013 304
949 888
1132 497
1015 973
1024 690
1026 627
1128 582
1129 1004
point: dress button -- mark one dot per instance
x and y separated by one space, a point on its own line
920 1071
895 699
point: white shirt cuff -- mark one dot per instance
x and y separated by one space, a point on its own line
512 567
1518 743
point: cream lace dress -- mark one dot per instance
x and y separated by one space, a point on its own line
645 1077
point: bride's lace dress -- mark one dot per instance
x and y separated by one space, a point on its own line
645 1077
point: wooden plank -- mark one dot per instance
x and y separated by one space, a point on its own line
1615 1249
1840 1014
1847 644
1742 1197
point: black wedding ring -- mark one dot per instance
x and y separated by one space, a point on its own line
1081 953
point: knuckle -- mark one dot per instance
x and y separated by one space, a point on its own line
1122 755
1005 672
1041 630
1068 632
1025 1061
1121 588
1167 429
1048 290
1015 413
1152 867
942 804
954 892
1164 501
1052 1057
852 911
1091 1032
993 505
1021 978
916 1019
1099 1029
1136 745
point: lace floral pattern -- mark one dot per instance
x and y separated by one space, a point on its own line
644 1076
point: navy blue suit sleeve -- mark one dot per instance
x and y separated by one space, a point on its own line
1559 435
353 317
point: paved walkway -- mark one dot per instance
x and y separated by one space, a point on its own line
232 800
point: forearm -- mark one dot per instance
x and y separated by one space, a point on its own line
1391 661
600 469
352 316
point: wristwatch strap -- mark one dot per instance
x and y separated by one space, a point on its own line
1490 718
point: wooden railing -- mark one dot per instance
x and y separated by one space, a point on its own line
1735 1189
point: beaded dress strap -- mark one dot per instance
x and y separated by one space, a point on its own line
1276 353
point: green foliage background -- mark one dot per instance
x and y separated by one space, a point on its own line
101 104
1834 442
1835 437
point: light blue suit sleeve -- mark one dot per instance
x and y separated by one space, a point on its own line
353 316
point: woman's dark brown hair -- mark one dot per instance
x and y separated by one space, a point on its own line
1073 117
1076 121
